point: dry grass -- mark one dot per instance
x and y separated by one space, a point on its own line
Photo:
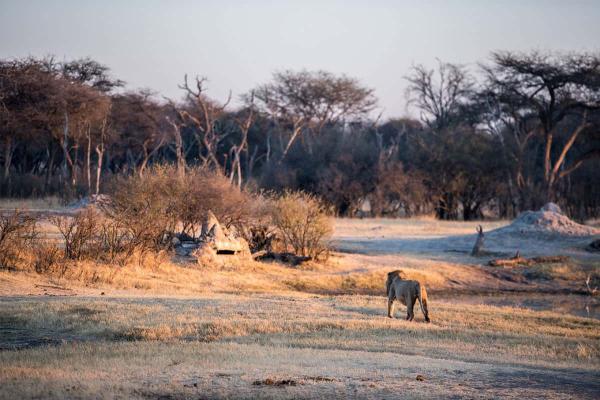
458 331
171 329
224 343
45 203
160 274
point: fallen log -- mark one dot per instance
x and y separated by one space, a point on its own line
286 258
259 254
517 260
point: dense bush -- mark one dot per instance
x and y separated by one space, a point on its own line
144 208
200 191
114 243
154 207
144 214
303 223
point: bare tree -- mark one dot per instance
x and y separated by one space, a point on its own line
557 92
204 114
244 123
439 95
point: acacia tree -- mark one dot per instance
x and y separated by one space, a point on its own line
551 98
90 73
307 101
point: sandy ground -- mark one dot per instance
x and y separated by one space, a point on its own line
64 340
451 241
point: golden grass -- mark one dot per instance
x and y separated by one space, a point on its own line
166 325
359 322
160 274
223 343
342 273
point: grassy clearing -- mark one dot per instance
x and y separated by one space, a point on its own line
161 275
473 333
341 345
180 370
412 227
169 328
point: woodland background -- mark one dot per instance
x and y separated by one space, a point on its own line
517 131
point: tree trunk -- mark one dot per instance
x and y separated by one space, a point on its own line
73 164
100 153
88 157
65 148
49 168
446 208
295 133
269 147
8 152
250 161
553 171
179 152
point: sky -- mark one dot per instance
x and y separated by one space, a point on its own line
239 44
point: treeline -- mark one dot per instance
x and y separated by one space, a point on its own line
520 130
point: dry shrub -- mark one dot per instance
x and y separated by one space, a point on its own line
260 237
303 224
200 191
151 260
46 257
144 208
78 232
153 207
114 243
17 234
258 230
